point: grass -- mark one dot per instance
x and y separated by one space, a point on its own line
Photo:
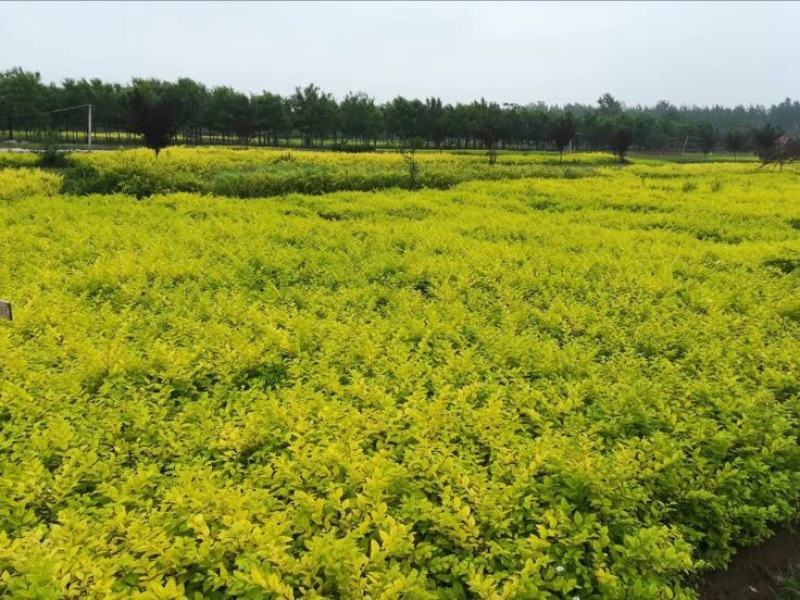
787 584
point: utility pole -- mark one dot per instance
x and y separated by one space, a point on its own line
89 132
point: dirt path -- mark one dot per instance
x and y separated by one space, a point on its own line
758 572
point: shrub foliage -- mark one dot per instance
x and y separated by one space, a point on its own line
539 388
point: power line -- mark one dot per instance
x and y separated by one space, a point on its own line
71 108
89 135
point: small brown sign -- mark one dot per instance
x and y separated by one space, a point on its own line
5 310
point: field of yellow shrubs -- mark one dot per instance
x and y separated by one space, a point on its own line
545 381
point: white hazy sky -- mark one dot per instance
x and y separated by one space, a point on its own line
641 52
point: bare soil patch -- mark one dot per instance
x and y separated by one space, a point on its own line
769 570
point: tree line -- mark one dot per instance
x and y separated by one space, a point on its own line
192 113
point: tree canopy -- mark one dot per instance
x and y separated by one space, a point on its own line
152 118
220 114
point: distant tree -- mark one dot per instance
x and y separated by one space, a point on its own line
22 97
784 149
222 114
74 93
459 124
434 121
189 102
241 119
108 111
597 129
786 115
488 138
707 136
664 108
360 117
536 125
229 111
621 141
404 119
563 132
487 119
314 113
109 107
512 126
271 114
153 119
787 149
610 105
244 130
764 139
735 141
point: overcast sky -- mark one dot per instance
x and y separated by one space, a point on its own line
641 52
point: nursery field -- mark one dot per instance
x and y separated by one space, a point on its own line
557 384
259 173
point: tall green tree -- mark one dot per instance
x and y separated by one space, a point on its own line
460 124
707 137
22 100
621 141
405 119
597 129
360 117
646 133
189 101
735 141
486 126
764 140
537 125
435 121
151 118
272 115
229 112
563 132
610 106
315 113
